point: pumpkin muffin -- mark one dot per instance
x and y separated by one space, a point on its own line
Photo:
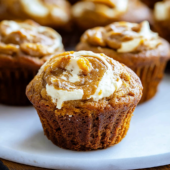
162 19
54 13
24 47
134 45
84 100
92 13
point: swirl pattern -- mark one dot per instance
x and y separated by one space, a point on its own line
80 76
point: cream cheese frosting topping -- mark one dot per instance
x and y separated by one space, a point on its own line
162 10
123 37
109 8
80 75
30 38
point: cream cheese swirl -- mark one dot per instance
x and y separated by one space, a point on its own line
75 79
123 37
109 8
30 38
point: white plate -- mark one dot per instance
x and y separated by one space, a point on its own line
147 143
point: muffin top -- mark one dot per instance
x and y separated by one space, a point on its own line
75 79
27 43
109 8
92 13
46 12
130 43
123 37
162 11
29 38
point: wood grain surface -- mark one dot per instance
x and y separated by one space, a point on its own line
16 166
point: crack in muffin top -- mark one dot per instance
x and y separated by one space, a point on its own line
123 37
29 38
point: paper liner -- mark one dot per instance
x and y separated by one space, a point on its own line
13 84
150 77
87 131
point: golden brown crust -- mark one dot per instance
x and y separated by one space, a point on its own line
87 124
45 11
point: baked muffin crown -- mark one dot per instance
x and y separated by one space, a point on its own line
123 37
54 13
73 78
162 11
28 38
110 8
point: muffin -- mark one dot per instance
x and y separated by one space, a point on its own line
54 13
92 13
84 100
24 47
150 3
134 45
162 19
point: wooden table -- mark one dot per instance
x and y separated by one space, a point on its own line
16 166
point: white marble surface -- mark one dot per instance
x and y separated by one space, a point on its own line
147 143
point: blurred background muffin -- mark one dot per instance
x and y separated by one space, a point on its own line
162 18
24 47
150 3
162 21
134 45
92 13
54 13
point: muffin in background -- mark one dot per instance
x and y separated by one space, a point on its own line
134 45
24 47
84 100
92 13
150 3
54 13
162 19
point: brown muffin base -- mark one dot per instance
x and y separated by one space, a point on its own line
83 132
13 83
150 77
